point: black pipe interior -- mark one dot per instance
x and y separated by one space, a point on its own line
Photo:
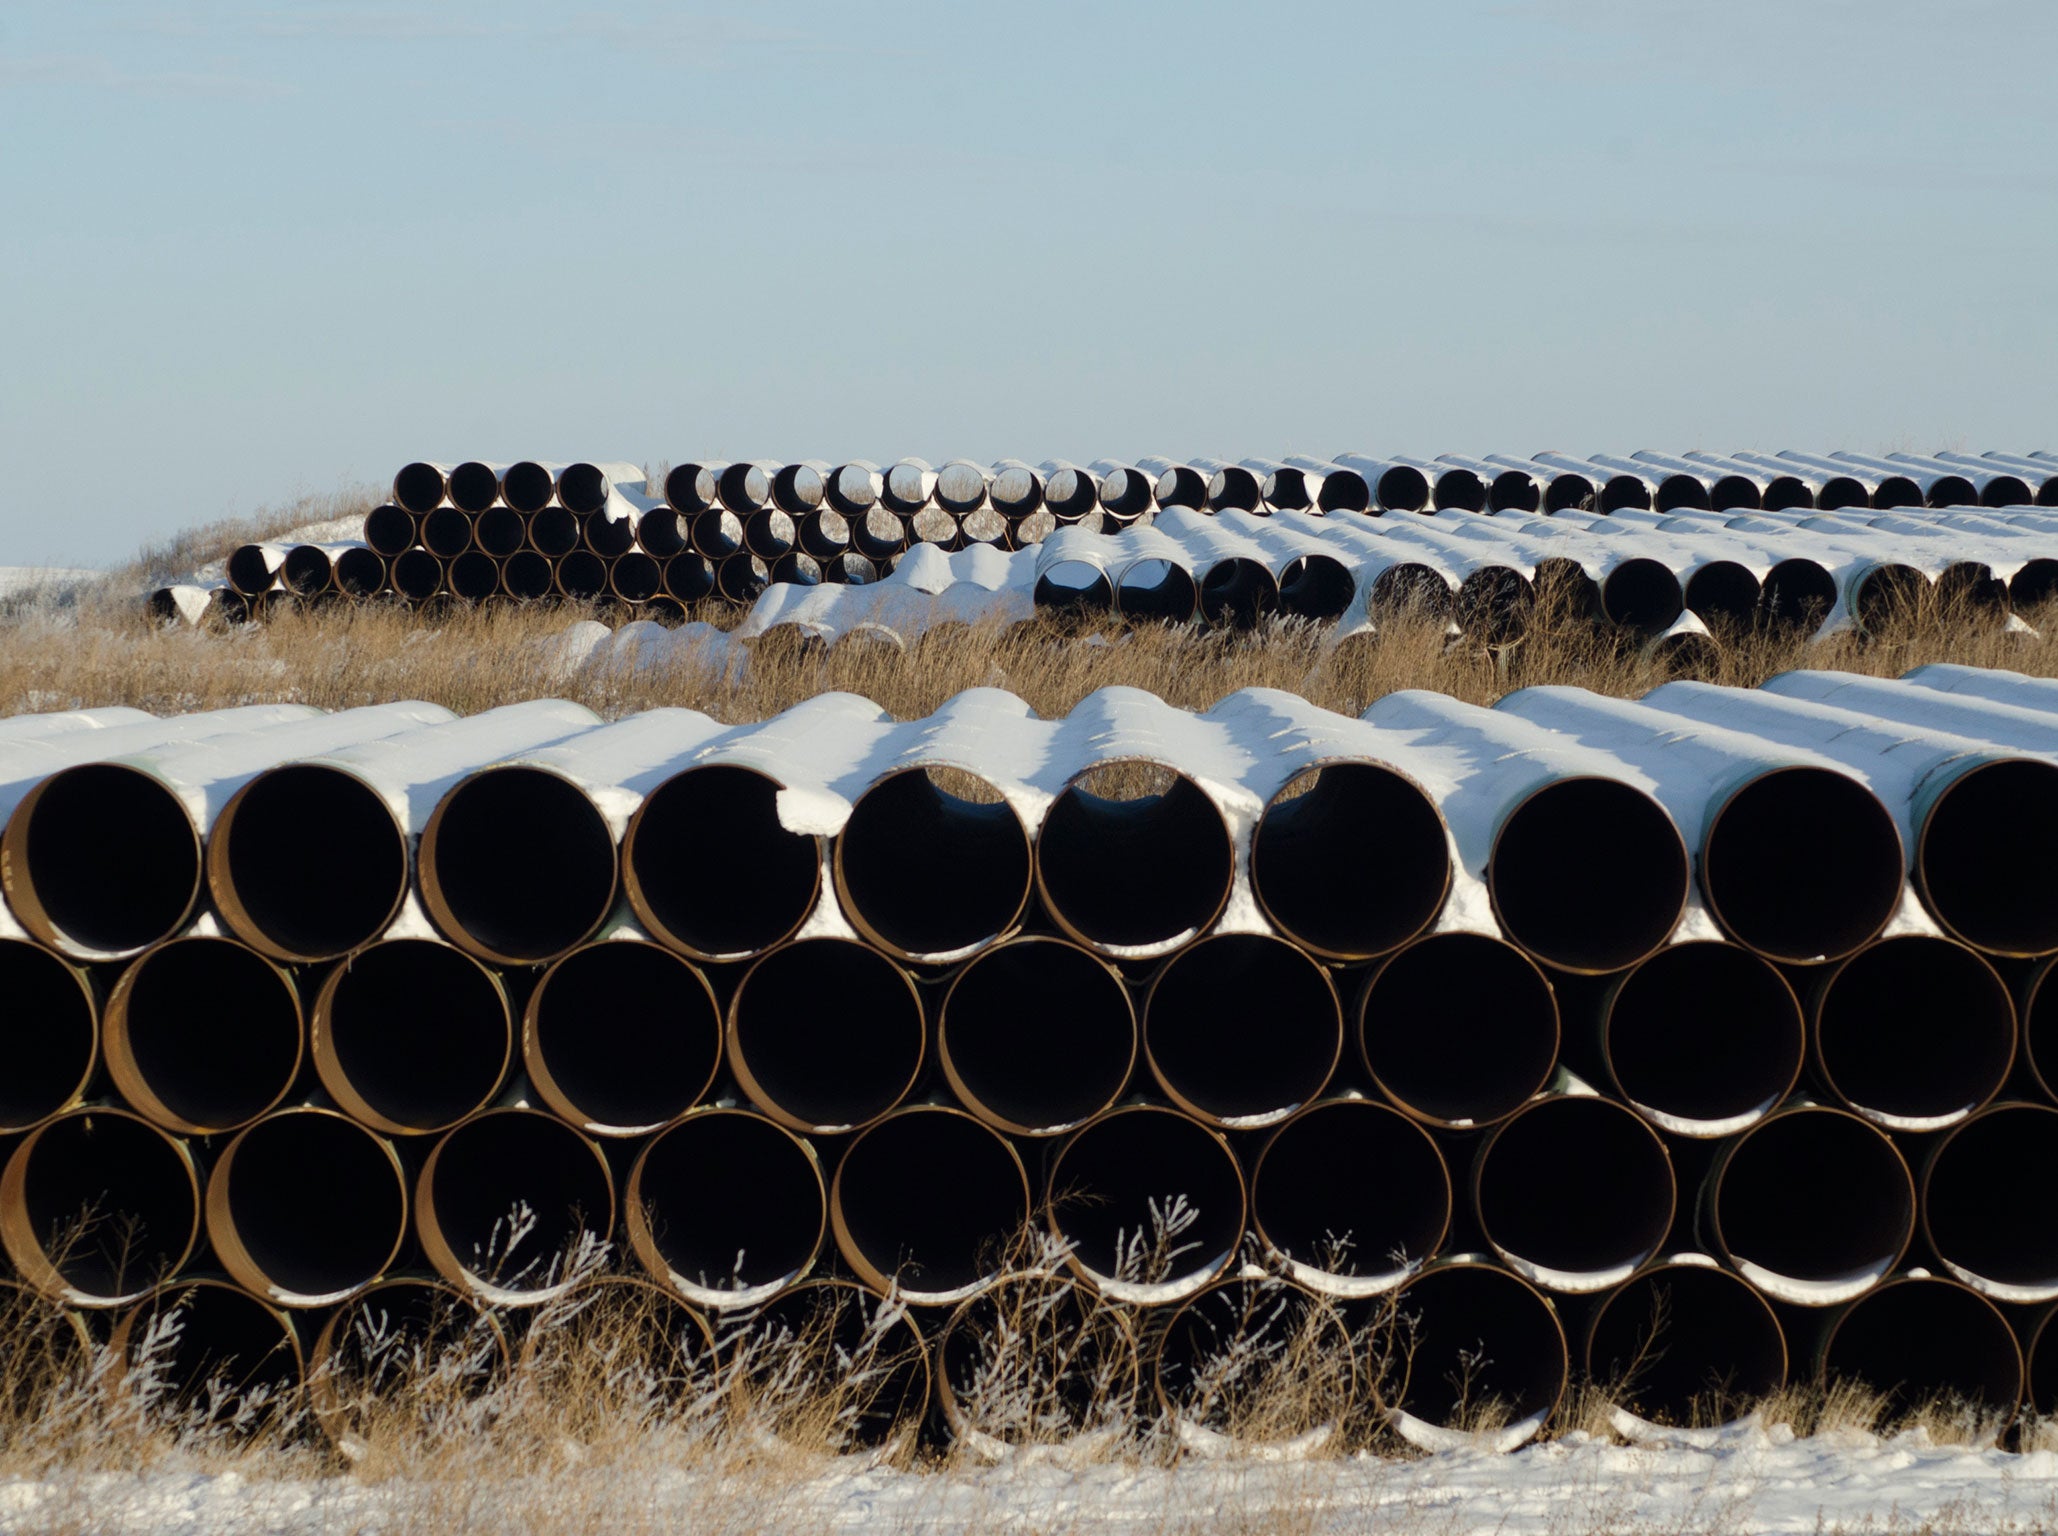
1620 491
608 537
1032 1354
249 570
1841 492
742 577
628 1032
930 872
1704 1031
1686 1345
473 486
314 858
1723 590
1982 852
1344 491
720 817
1815 1195
742 486
1494 604
417 575
1237 593
769 533
1238 489
1039 1033
797 569
1677 490
824 533
316 1202
1915 1027
1119 1178
582 574
1316 587
1408 590
1787 493
877 532
402 1334
1472 1339
831 1031
2006 491
1952 491
523 861
1137 871
1577 1185
1352 1188
636 577
47 1034
553 532
582 488
490 1168
733 1202
1927 1341
473 576
1459 1027
225 1339
527 575
1985 1212
359 573
1074 584
1589 874
418 487
1256 1359
110 1202
1403 488
306 569
500 532
1565 491
527 486
90 821
1351 859
1737 493
1243 1025
1798 594
688 576
1967 591
932 1199
661 532
1459 489
834 1342
1891 596
682 489
213 1030
446 532
1803 863
1157 589
419 1030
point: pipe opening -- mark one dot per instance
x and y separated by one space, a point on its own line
1676 491
1133 871
48 1034
1344 490
411 1035
909 486
933 863
1157 589
259 862
1401 488
1476 1344
527 576
446 532
1074 584
688 577
251 569
1990 1219
1998 904
622 1036
507 1198
853 488
824 534
726 1207
1968 592
553 533
635 577
473 486
2035 584
499 532
1722 591
1409 593
1237 593
307 1206
1813 1206
359 573
961 487
1802 864
718 817
1889 597
1516 490
1926 1342
1037 1035
1459 1029
1180 486
48 1355
472 576
75 827
1915 1032
740 578
99 1206
1624 491
582 575
1035 1358
1126 493
1703 1036
230 1359
627 1347
1784 493
581 488
831 1365
1351 860
1204 1041
929 1204
1318 588
306 570
203 1035
1494 605
1235 488
826 1035
1568 492
1686 1344
383 1344
797 488
1353 1194
1575 1192
1799 594
419 488
527 486
1841 492
417 575
1151 1202
1256 1360
2006 491
1460 490
1736 493
517 864
661 532
1588 874
1642 595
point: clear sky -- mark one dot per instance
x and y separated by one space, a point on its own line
248 250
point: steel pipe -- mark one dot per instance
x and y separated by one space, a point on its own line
819 1069
417 575
741 577
74 827
582 488
214 1353
1475 1346
1254 1361
1994 1225
473 487
1035 1359
389 1342
909 486
854 488
359 573
628 1347
307 571
800 488
472 577
1940 486
1452 487
527 486
49 1352
446 532
1507 489
1833 488
930 875
49 1035
1926 1342
833 1366
1198 1039
258 867
581 575
1686 1343
1126 493
527 577
420 487
1394 487
553 533
688 577
507 1202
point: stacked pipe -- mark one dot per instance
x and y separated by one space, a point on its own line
1692 1045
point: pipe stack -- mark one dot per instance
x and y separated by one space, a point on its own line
1691 1045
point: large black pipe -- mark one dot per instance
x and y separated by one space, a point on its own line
622 1036
582 488
1242 1029
718 817
1642 595
419 487
417 575
101 859
1574 1192
1989 1209
581 575
216 1353
608 537
929 1205
306 1207
1494 605
1458 1029
1037 1035
49 1034
1472 1347
1927 1342
527 486
203 1035
509 1201
1686 1344
527 577
726 1207
446 533
1704 1037
1998 904
833 1366
1724 592
473 486
1036 1359
409 1340
688 577
1256 1360
411 1036
1798 595
1352 1195
252 568
307 570
472 576
825 1035
359 573
553 533
498 532
930 874
1149 1202
1157 589
1317 588
635 577
2040 1027
741 577
1237 593
1133 875
1914 1032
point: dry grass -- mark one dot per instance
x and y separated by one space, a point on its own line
188 550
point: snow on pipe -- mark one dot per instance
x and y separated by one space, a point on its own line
1921 1340
926 1204
1232 486
1198 1040
224 1338
1940 485
1991 1226
1507 489
1564 489
410 1036
799 489
203 1035
826 1035
1481 1338
1452 487
482 1170
909 486
1030 1354
1350 1237
141 1185
252 568
1991 484
1181 485
1686 1342
306 1207
726 1208
621 1037
1149 1202
1392 486
870 1349
1813 1206
50 1061
1233 1358
1574 1192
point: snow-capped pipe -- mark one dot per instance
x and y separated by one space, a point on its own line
416 575
925 1204
357 572
553 533
1939 486
1037 1036
484 1170
1199 1045
252 568
1812 1205
1230 485
1832 487
854 488
53 1038
1991 484
962 487
2040 477
1255 1359
1990 1225
1133 877
1565 489
1779 487
621 1037
1615 488
834 1345
929 875
1069 490
1686 1342
446 532
819 1069
1331 487
472 576
377 1346
1574 1192
1016 488
1350 1237
1295 484
1476 1337
1913 1032
203 1035
1724 591
526 576
1181 485
1507 489
420 487
1920 1340
1458 1029
726 1208
1703 1038
98 1207
1149 1202
799 489
225 1341
1395 487
1705 485
306 1208
909 486
527 486
410 1036
1452 487
1883 488
1032 1359
1672 488
473 486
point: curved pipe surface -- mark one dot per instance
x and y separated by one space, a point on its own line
419 487
1237 593
1724 592
1475 1342
720 817
2000 905
1354 1235
825 1035
581 575
927 874
252 568
66 835
307 570
582 488
1927 1341
1798 594
417 575
1157 589
833 1366
472 576
1254 1360
1036 1358
1458 1029
506 1202
527 486
49 1035
1242 1029
359 573
621 1036
1686 1344
230 1359
1642 595
1993 1227
380 1347
446 532
553 533
498 532
527 577
1133 877
473 487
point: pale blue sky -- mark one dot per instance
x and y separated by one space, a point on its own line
248 249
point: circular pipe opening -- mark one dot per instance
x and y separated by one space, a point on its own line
508 1200
1890 597
472 576
688 577
1359 1234
229 1359
1994 1227
826 1035
360 573
553 533
1035 1359
1242 1029
71 831
2002 904
635 577
1676 491
500 531
1234 488
527 576
1459 1029
1915 1032
1407 592
2035 584
824 534
1476 1347
1741 493
1798 594
627 1347
419 488
203 1035
1074 584
1686 1344
1037 1036
417 575
1133 875
718 817
581 575
608 537
1705 1038
473 486
1624 491
740 578
527 486
1722 591
1157 589
446 532
832 1366
411 1036
1841 492
382 1345
1126 493
1237 593
251 568
581 488
307 862
621 1036
661 532
49 1035
306 570
798 488
1256 1360
1317 588
1494 605
1459 490
1787 493
1401 488
1179 486
1344 490
928 874
1565 491
1927 1343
